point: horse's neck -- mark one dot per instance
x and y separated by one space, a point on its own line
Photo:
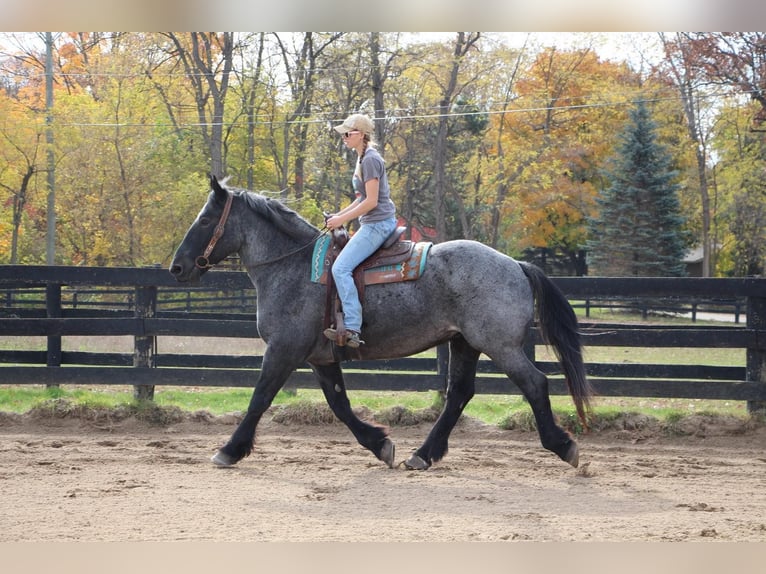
272 256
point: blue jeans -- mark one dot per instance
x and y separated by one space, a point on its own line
362 244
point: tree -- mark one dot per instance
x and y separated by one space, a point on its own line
507 77
735 60
638 231
426 143
207 61
681 61
120 170
450 90
486 141
554 149
20 148
249 91
740 180
302 66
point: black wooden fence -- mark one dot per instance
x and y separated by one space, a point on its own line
147 303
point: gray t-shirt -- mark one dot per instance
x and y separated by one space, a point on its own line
373 167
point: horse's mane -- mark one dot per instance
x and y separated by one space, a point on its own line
284 219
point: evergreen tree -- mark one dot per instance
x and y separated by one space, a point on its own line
639 230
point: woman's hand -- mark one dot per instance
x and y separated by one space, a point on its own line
334 222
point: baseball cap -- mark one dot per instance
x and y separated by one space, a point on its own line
359 122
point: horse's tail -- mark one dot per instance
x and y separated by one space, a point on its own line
559 329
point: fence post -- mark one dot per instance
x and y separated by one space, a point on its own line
756 358
144 347
53 311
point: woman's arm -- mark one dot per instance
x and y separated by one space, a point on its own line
357 208
349 207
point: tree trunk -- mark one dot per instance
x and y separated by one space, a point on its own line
210 81
680 58
19 201
251 114
462 45
377 79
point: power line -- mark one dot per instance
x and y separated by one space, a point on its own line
395 114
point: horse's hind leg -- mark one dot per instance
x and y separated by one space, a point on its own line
460 389
534 386
371 437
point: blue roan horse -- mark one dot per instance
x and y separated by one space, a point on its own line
471 296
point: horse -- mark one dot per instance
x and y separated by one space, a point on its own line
470 296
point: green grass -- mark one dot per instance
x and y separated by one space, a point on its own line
505 411
216 401
18 399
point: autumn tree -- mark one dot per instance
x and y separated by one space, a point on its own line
502 145
254 101
451 88
638 231
568 109
21 161
681 64
409 152
500 176
735 60
118 167
205 60
742 191
24 173
423 149
364 66
303 62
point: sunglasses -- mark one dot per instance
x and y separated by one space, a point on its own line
349 134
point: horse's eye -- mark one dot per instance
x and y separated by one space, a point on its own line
204 221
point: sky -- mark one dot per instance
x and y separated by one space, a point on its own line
393 15
617 46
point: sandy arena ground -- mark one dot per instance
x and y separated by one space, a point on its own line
72 480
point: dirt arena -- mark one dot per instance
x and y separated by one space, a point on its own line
65 479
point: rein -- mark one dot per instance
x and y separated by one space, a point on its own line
204 263
293 252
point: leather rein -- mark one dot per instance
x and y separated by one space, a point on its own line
204 263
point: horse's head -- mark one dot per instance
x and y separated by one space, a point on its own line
205 242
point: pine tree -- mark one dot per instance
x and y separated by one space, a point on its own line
639 230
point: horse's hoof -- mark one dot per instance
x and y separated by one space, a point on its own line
387 453
416 463
573 455
222 459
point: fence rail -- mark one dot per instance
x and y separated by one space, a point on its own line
146 303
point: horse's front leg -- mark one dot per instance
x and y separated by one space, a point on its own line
274 373
372 437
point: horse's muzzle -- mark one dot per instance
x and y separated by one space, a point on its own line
183 273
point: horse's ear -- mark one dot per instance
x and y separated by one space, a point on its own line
220 192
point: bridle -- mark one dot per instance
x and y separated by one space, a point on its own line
203 262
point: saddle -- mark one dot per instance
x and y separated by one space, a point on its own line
395 261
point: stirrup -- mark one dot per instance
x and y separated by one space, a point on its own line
353 340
